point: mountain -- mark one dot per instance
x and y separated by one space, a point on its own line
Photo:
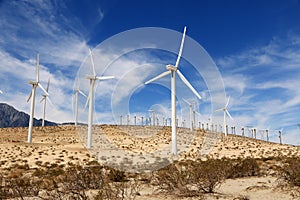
10 117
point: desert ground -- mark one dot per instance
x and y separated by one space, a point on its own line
146 149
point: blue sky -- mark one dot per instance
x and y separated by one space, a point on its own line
254 44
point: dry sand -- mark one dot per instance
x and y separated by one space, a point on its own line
61 145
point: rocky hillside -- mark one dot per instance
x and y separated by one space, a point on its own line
10 117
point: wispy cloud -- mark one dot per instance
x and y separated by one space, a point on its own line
268 77
29 27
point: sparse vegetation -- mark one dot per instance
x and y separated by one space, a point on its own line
50 172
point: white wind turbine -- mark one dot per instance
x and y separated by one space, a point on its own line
34 84
45 98
93 78
225 110
171 69
77 91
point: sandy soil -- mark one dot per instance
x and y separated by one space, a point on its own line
62 145
50 145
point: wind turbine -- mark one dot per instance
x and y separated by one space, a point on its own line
77 91
45 96
152 117
280 135
93 78
34 84
171 69
192 121
225 110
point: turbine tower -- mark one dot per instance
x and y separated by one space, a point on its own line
45 98
77 91
225 110
171 69
34 84
93 78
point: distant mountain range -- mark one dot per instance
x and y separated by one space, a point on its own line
10 117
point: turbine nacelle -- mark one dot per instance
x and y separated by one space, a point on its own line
91 77
33 82
171 68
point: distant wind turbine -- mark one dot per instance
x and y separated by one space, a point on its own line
152 117
45 98
280 135
171 69
225 110
192 114
93 78
34 84
77 91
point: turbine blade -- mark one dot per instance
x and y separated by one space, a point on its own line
48 85
38 68
50 101
43 89
92 60
42 99
29 96
227 102
1 92
186 101
104 77
82 93
197 113
87 100
188 84
158 77
221 109
228 114
181 47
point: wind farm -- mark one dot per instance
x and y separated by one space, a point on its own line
145 112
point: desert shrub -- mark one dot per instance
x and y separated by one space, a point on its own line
3 189
191 178
290 172
19 187
171 178
119 191
210 174
116 175
242 168
75 182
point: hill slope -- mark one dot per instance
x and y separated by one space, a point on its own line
10 117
